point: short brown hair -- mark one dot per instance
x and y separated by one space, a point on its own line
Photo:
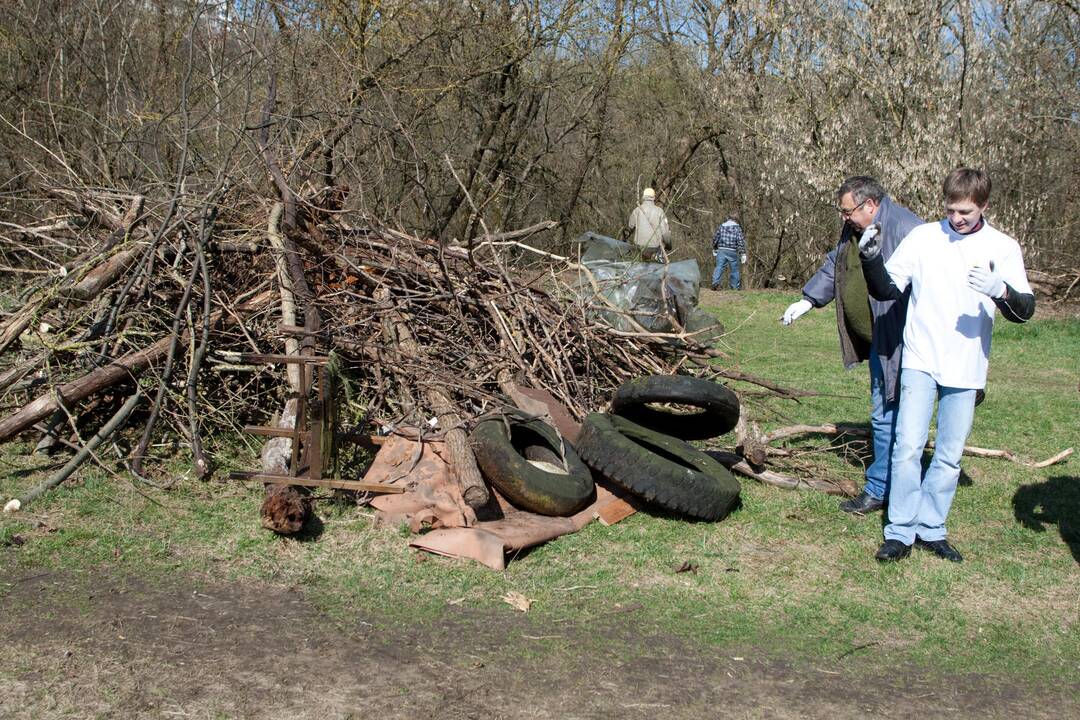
967 184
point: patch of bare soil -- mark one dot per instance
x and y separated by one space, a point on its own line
121 647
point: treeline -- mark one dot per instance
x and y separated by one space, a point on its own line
452 119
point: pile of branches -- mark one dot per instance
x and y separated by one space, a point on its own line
126 307
111 297
1055 287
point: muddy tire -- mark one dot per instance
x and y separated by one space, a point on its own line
662 470
526 467
718 406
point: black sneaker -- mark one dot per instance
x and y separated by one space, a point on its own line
862 504
941 548
892 550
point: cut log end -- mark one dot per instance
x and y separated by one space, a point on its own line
285 509
204 470
476 496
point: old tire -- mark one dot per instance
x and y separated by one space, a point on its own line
516 464
662 470
718 406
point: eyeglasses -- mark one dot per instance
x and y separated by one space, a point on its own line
847 213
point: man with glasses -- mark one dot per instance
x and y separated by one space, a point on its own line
869 329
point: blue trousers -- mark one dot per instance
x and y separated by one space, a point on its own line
726 257
883 425
918 503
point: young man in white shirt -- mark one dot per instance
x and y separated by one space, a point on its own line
959 270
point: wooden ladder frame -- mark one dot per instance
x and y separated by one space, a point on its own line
314 438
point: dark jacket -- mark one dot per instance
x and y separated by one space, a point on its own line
896 221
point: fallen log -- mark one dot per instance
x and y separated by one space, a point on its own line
85 386
15 326
1054 287
285 508
285 290
750 443
103 275
462 460
121 229
12 377
85 288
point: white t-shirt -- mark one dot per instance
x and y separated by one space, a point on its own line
949 325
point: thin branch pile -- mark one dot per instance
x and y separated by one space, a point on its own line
122 299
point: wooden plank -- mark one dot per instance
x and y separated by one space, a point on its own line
272 358
295 330
272 431
308 482
612 512
301 424
313 448
368 441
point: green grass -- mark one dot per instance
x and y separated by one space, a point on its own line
787 574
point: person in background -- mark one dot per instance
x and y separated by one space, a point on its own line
957 272
729 247
649 225
869 329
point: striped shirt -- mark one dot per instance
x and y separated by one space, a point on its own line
729 236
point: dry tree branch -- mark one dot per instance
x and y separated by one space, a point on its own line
970 450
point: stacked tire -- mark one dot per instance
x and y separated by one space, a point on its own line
530 465
642 447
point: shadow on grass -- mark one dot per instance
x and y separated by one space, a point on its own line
36 470
1054 502
312 529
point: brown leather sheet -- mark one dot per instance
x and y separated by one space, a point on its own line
493 542
433 502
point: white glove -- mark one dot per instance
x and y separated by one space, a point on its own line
742 258
986 281
869 247
796 310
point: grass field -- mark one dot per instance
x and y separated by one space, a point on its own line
786 574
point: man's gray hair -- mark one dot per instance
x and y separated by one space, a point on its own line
861 188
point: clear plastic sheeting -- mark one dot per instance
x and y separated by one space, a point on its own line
659 297
595 246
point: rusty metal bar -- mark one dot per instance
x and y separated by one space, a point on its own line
324 483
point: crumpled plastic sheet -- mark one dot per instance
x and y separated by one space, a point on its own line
660 297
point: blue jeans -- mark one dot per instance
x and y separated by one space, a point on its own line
883 424
919 504
725 257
